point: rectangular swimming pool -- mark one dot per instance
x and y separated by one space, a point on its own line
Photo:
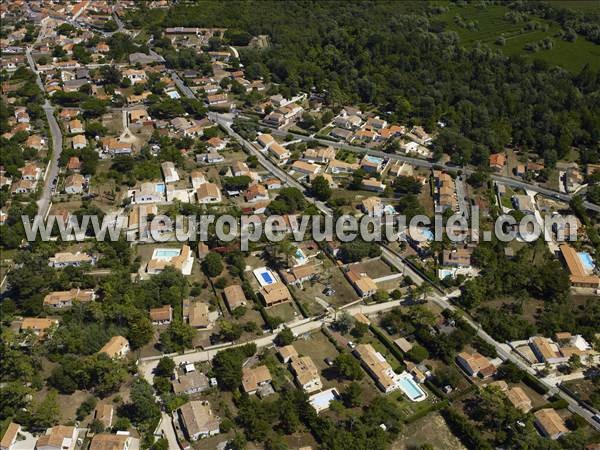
165 253
160 188
264 276
586 260
410 388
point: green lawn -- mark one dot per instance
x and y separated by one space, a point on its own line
490 24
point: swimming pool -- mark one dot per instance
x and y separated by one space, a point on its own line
374 159
586 260
300 257
264 276
410 388
166 253
160 188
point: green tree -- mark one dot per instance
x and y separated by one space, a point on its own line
320 188
213 264
347 367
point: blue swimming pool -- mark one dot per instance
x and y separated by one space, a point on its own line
586 260
266 276
374 159
166 252
410 388
160 188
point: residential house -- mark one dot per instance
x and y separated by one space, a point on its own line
135 75
256 193
422 137
116 348
272 183
234 296
65 299
299 274
138 115
524 203
38 326
287 353
275 293
104 413
372 184
307 374
162 315
31 172
66 259
580 275
403 344
216 144
74 164
497 162
279 152
75 126
217 99
457 257
343 134
362 283
106 441
74 184
182 262
337 167
475 364
197 178
169 172
197 314
372 164
549 423
265 140
60 437
198 420
191 383
376 365
35 141
10 436
115 147
376 123
208 193
445 192
79 141
254 378
319 156
305 167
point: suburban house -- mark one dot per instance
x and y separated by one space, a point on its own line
475 364
217 99
116 348
376 365
580 276
74 164
306 167
135 75
299 274
79 141
497 161
549 423
422 137
256 193
115 147
275 293
445 191
104 441
319 156
371 184
307 373
234 296
169 172
182 262
278 151
287 353
191 383
162 315
265 140
197 314
74 184
457 257
524 204
31 172
104 413
59 437
253 379
38 326
65 259
75 126
208 193
10 436
362 283
198 420
65 299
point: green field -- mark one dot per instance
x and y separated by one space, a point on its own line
490 25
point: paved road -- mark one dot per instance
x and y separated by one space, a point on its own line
57 145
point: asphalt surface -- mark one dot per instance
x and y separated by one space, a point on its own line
57 146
